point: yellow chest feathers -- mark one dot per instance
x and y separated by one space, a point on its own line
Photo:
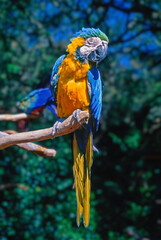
72 92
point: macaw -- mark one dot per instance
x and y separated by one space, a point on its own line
76 85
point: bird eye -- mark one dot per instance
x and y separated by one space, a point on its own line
90 40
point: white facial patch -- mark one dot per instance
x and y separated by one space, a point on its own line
90 45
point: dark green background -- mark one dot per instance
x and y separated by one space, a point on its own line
126 182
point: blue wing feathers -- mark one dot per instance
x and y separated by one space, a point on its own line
55 76
96 95
43 97
36 99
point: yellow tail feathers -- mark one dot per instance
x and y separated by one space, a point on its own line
81 169
86 202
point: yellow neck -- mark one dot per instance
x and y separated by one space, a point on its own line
76 42
72 66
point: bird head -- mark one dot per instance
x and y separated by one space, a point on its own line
89 45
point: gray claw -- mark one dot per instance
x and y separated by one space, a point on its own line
76 115
55 128
95 149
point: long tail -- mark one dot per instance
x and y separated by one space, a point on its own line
82 182
37 100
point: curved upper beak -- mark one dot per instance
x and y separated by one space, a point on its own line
99 53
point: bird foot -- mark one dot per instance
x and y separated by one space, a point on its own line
76 116
56 127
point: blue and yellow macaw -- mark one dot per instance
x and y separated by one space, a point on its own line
76 85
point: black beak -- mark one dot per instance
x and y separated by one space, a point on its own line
94 56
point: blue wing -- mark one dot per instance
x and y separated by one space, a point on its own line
37 99
43 97
95 92
55 76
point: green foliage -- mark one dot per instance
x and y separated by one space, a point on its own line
126 172
47 206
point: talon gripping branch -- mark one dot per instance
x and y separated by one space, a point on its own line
76 84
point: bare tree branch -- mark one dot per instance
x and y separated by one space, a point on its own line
17 117
135 235
158 201
13 185
32 147
120 40
159 221
67 126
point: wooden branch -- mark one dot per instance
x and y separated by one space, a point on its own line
12 185
17 117
67 126
135 235
158 201
32 147
159 221
9 132
37 149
